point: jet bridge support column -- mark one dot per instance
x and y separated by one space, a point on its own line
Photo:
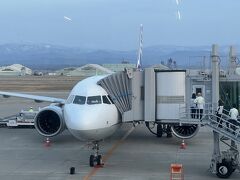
232 61
215 97
223 163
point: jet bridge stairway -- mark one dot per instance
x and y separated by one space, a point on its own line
224 128
223 163
209 118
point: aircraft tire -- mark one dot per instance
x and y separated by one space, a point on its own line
159 130
224 169
99 160
91 161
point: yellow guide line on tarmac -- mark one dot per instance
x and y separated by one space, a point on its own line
108 154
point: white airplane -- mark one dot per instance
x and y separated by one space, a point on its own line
67 18
88 113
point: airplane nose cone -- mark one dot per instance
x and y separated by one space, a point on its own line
83 121
74 117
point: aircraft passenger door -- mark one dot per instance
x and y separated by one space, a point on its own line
199 89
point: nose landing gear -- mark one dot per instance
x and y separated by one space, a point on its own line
95 159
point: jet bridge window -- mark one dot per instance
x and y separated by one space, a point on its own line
94 100
79 100
105 100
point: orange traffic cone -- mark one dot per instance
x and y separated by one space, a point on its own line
47 142
183 145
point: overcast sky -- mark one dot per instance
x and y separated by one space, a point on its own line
114 24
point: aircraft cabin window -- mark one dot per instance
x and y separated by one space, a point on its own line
105 100
79 100
94 100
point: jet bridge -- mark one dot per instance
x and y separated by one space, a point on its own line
158 97
151 96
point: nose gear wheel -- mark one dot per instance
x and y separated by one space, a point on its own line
95 159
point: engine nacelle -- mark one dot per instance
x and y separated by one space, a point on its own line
49 121
185 131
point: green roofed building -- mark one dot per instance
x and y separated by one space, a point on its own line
118 67
15 70
86 71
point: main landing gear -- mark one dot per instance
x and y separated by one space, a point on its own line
95 159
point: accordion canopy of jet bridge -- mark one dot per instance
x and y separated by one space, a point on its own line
118 86
150 95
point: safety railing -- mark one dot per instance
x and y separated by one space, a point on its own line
187 112
226 126
222 124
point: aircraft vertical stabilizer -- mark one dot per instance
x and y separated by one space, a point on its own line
139 57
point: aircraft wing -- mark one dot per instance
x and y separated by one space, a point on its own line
33 97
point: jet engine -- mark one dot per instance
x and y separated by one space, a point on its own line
49 121
185 131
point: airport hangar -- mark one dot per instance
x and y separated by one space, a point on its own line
15 70
85 70
93 69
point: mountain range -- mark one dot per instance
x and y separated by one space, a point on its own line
39 56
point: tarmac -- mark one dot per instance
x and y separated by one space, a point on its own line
130 154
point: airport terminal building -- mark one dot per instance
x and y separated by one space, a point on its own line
200 80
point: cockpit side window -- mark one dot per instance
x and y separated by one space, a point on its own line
105 100
70 99
79 100
94 100
110 99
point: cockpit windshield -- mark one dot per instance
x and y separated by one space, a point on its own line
79 100
94 100
70 99
110 99
105 100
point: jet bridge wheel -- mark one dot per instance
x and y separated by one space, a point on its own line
168 131
224 169
159 130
